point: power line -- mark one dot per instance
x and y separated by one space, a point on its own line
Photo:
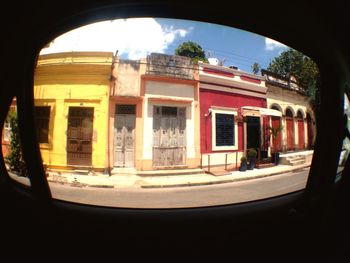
232 54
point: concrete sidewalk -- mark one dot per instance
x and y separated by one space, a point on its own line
161 181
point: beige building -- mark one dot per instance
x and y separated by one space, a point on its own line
297 119
154 113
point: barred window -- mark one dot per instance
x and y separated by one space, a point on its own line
225 130
42 117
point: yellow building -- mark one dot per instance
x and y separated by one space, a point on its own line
97 112
71 94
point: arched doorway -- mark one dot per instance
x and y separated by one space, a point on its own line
276 123
300 122
289 129
310 134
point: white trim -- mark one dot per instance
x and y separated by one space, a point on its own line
264 111
224 109
230 70
231 111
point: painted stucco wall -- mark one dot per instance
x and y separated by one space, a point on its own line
79 79
168 90
284 99
210 98
128 77
156 80
161 93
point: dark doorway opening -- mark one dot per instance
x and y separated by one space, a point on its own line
253 132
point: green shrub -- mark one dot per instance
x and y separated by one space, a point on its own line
252 153
15 157
243 159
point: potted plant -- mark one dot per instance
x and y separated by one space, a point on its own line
243 166
252 153
274 132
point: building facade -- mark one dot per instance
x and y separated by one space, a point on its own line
71 96
233 114
154 113
96 111
298 120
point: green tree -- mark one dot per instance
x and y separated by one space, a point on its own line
304 69
256 68
191 50
15 158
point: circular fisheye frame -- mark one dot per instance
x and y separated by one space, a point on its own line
159 115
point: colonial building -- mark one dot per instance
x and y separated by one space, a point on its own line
234 116
297 118
154 113
71 96
96 111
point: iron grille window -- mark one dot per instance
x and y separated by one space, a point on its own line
125 109
42 117
169 111
225 129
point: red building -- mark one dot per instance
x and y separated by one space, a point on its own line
233 114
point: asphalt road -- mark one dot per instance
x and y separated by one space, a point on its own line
181 197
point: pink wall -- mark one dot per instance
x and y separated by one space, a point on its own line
210 98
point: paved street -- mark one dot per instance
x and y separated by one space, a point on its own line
181 197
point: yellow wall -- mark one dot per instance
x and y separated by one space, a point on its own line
79 79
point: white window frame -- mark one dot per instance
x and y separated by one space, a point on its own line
229 111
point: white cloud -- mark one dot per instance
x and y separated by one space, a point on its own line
271 44
134 37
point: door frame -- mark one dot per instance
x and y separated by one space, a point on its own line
181 148
68 160
290 137
301 131
259 131
278 139
115 119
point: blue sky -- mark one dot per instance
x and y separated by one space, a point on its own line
236 47
136 38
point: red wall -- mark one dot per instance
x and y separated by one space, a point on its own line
210 98
4 147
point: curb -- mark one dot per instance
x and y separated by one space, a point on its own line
185 184
222 181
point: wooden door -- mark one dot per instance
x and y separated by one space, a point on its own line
276 142
79 136
290 133
301 141
124 136
309 133
169 136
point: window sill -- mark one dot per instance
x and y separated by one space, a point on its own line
224 148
